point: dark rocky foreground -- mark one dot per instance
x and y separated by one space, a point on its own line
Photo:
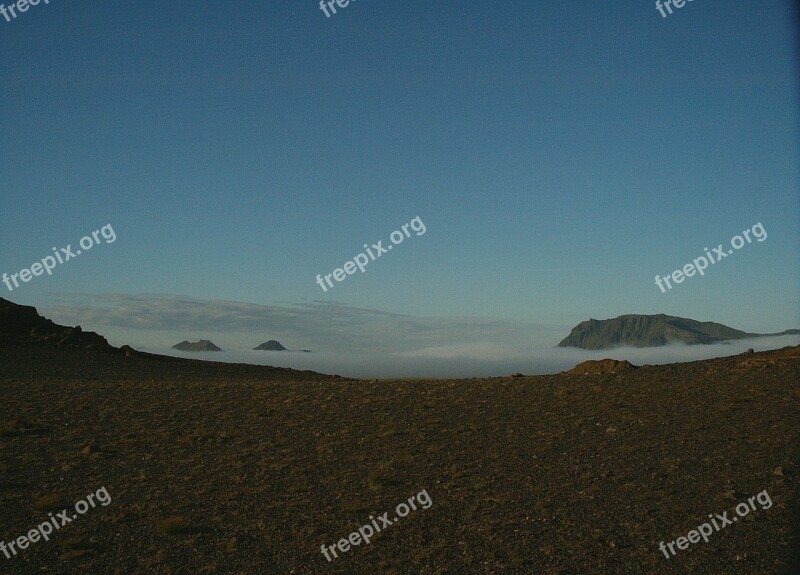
216 468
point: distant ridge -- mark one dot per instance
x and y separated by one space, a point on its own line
270 345
274 345
200 345
653 331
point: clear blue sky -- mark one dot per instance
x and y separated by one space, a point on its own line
560 155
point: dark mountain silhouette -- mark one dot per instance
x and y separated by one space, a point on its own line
22 325
26 334
200 345
273 345
653 331
270 345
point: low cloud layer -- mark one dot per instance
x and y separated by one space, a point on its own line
356 342
483 360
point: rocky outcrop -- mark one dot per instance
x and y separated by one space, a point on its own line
601 366
200 345
22 325
652 331
270 345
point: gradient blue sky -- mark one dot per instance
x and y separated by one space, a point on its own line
560 154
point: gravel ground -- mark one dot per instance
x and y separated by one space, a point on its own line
215 468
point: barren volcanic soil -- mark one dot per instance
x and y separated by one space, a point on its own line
215 468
